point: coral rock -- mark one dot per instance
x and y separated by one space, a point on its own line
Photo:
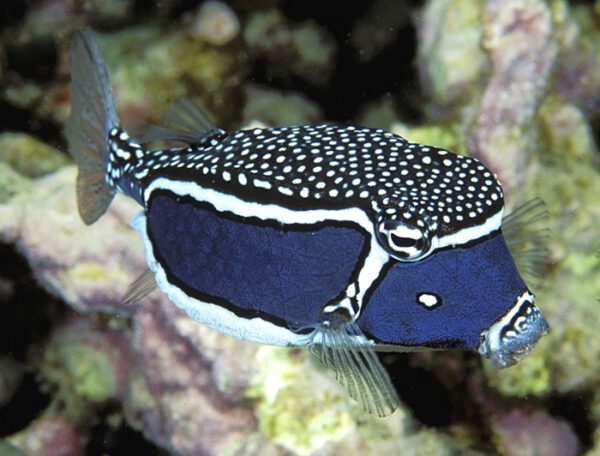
305 50
216 23
50 435
29 156
518 37
521 433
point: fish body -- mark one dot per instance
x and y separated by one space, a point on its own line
340 238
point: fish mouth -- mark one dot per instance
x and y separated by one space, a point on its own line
515 334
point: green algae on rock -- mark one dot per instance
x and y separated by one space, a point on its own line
215 22
87 366
381 114
518 38
8 449
577 75
443 136
149 70
29 156
567 177
301 408
452 63
528 378
51 205
49 435
11 183
302 49
275 108
291 402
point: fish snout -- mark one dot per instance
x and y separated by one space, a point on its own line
515 334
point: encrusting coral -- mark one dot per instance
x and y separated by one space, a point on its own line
516 84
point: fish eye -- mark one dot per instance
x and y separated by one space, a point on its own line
404 241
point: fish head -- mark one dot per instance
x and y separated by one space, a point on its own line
451 280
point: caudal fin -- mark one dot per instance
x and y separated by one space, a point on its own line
93 115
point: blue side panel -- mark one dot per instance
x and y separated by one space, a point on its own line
286 276
477 285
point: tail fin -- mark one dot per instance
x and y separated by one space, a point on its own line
93 115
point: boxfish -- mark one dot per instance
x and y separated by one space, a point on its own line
343 239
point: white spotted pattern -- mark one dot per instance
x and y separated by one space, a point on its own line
328 166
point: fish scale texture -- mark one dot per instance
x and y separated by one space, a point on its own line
253 270
393 314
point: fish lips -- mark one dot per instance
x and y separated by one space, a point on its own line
515 334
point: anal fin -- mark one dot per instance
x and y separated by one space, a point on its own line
346 351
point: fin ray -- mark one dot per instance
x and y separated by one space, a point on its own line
140 288
185 121
93 115
350 355
526 234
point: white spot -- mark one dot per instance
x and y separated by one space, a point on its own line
123 154
428 300
262 184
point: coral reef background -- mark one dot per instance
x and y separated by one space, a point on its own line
514 83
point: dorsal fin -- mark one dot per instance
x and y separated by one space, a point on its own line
184 121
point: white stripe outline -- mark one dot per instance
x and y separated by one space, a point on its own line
257 329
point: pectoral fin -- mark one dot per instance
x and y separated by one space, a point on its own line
140 288
351 356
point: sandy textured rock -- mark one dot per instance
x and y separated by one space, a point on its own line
451 60
302 49
518 37
567 178
28 156
11 182
534 432
87 364
215 22
48 435
276 108
149 70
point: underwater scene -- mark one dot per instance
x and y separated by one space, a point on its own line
281 228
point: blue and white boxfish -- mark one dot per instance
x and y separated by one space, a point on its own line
343 239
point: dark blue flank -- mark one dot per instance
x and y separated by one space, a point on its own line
284 275
477 284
